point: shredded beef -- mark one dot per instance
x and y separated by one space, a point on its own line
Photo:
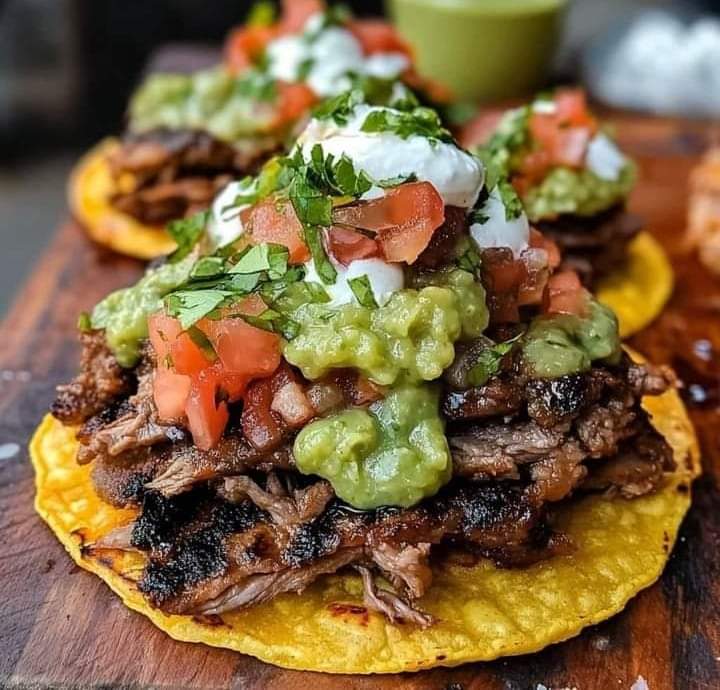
594 246
176 172
101 382
197 565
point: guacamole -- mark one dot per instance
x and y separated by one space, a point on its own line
228 107
412 336
577 192
565 344
123 313
395 453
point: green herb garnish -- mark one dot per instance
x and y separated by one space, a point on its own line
186 233
363 291
419 121
323 266
488 362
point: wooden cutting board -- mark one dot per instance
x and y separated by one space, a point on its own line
61 627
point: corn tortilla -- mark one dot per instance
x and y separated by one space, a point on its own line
638 292
90 187
483 612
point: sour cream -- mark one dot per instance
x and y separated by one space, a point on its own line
497 231
455 174
332 54
384 278
604 158
225 225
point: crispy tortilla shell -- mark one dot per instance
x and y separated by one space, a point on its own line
483 612
638 292
89 190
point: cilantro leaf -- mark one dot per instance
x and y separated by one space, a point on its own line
419 121
340 107
363 291
488 362
207 267
470 260
510 199
189 306
323 266
272 258
84 322
186 232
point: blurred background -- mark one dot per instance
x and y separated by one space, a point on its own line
67 68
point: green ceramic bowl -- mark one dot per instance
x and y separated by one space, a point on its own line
482 49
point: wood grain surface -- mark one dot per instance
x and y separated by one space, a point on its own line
60 627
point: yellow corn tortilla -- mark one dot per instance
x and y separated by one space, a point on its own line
90 187
483 612
638 292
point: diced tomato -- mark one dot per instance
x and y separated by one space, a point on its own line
502 276
540 241
170 393
259 424
571 108
206 417
245 45
565 295
296 12
348 245
537 272
269 221
174 348
163 330
294 100
378 36
243 349
404 219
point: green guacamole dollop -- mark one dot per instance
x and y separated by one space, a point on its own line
210 100
395 453
577 192
123 313
412 336
565 344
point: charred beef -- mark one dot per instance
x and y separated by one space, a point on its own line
176 172
100 383
594 246
212 556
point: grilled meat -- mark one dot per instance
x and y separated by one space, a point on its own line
101 382
176 172
211 556
594 246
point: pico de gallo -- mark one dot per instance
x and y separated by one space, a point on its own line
572 178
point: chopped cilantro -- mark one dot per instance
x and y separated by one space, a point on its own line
363 291
323 266
189 306
207 267
419 121
470 260
272 258
488 363
256 85
339 109
510 199
397 180
304 69
186 233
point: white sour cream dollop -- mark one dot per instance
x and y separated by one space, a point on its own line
330 55
456 175
497 231
604 158
384 278
225 225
